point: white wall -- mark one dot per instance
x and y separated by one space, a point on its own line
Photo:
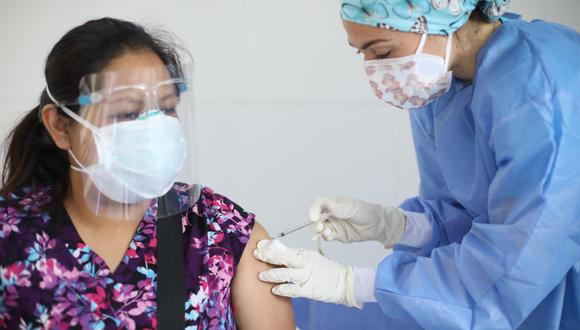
284 109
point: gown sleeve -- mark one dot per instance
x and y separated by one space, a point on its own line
446 220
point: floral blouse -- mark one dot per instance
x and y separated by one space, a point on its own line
51 279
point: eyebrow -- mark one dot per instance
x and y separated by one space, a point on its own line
368 43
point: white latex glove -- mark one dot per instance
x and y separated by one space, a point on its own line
350 220
306 274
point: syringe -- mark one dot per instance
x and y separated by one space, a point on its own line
297 228
292 230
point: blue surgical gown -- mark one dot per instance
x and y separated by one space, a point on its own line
499 162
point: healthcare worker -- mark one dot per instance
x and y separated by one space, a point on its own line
492 241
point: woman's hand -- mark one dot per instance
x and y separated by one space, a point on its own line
350 220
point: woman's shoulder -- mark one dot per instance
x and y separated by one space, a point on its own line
523 61
23 216
24 203
223 210
226 221
518 48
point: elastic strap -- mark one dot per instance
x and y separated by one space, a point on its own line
80 168
71 113
171 294
421 43
448 50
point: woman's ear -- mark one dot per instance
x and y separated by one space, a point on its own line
57 126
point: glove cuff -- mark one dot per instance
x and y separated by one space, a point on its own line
349 298
395 224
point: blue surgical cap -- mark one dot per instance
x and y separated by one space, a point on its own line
421 16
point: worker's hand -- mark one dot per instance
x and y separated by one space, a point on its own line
351 220
306 274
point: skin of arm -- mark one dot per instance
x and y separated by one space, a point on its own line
255 306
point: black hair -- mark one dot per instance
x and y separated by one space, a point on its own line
31 156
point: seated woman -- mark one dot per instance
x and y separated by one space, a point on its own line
89 176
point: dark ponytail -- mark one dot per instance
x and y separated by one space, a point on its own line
32 157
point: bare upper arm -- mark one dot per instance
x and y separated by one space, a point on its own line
254 305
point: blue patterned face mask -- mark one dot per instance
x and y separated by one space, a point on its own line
441 17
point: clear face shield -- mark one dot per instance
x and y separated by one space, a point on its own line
135 142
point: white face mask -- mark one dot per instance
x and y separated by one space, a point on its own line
138 160
412 81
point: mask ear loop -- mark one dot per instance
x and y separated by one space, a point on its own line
448 50
80 168
421 44
78 119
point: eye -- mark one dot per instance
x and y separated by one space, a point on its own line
169 111
127 116
383 56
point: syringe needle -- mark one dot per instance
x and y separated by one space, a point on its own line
292 230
